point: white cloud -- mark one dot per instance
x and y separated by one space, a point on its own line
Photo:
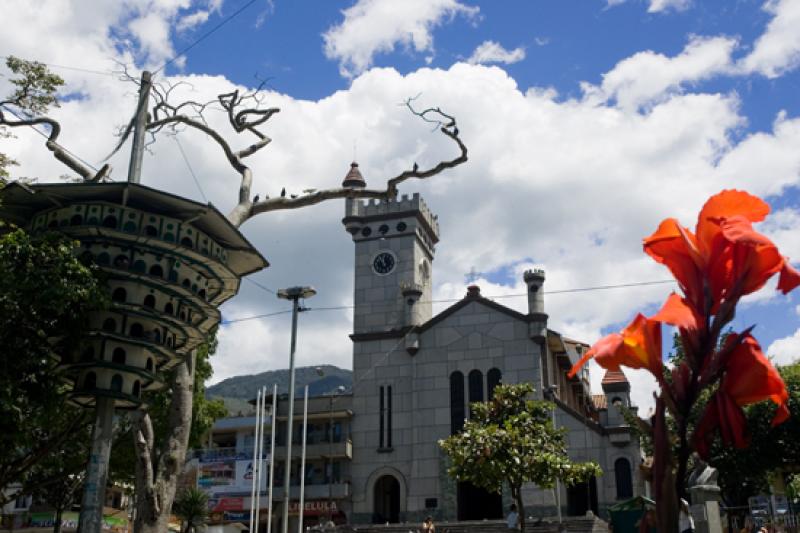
572 185
658 6
377 26
648 77
190 21
785 351
493 52
778 49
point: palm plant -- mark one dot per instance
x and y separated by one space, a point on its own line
192 508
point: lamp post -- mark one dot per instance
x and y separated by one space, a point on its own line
294 294
550 394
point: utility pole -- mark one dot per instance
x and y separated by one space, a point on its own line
139 129
93 500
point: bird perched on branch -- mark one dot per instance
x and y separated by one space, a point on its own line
283 192
416 166
293 196
309 191
255 198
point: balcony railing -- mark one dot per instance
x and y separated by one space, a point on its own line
320 450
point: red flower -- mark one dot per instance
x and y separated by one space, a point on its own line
724 254
636 346
749 378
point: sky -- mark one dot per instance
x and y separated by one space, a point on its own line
587 123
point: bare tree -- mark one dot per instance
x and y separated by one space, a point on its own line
159 464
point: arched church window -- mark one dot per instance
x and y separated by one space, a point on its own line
116 383
150 301
493 377
475 387
456 402
90 381
137 330
624 482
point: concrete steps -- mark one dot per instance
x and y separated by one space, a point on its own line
572 524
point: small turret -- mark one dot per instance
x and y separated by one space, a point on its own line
617 389
353 180
534 279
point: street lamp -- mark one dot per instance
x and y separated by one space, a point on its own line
294 294
550 394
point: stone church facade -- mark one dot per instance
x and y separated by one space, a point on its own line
415 375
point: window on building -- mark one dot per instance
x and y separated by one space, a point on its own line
119 295
118 356
137 388
137 330
624 481
385 419
157 271
493 378
456 402
90 381
150 301
475 387
149 364
116 383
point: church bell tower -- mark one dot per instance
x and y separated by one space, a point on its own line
394 248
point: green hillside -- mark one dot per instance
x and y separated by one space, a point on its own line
238 390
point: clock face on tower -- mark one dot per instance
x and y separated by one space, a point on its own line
383 263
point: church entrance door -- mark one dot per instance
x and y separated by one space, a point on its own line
475 503
387 500
582 497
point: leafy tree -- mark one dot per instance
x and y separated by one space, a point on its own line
57 480
744 473
46 294
511 440
191 506
35 92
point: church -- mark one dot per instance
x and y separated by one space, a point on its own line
414 375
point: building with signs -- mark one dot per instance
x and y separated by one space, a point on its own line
224 468
418 372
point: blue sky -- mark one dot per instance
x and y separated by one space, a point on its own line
588 121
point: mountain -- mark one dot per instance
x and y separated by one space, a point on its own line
236 391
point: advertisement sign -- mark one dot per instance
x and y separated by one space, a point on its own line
218 474
69 520
230 476
236 516
314 508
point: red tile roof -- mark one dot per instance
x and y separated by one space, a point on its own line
614 376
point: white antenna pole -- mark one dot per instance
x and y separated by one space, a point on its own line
253 464
273 423
301 508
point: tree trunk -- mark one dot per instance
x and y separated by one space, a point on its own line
666 491
57 523
158 467
516 495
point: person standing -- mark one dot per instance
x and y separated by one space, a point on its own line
427 525
512 520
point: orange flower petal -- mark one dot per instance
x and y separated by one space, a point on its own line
637 346
677 312
751 378
675 247
727 204
789 278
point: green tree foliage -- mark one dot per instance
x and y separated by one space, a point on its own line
191 506
511 440
34 93
46 294
744 473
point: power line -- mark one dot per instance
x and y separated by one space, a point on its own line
453 300
77 69
243 319
189 166
205 35
46 136
260 286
